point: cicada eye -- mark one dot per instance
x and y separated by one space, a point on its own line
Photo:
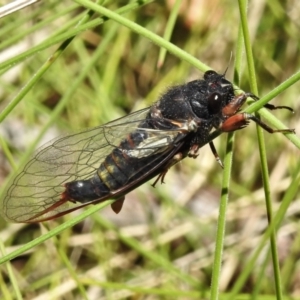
210 74
214 103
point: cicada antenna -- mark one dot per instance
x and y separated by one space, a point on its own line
230 58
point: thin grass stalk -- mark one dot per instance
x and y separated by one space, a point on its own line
262 148
216 271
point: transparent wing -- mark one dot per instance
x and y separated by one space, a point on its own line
38 185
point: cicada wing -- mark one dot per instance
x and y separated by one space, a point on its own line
36 189
58 209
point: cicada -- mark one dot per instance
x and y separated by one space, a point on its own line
109 161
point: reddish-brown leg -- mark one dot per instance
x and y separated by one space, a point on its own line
236 103
118 204
239 121
236 121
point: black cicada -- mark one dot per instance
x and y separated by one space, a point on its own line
109 161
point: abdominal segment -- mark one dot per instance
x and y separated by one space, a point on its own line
120 171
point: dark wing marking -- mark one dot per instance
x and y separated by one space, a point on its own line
35 193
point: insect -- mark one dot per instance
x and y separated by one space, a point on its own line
108 161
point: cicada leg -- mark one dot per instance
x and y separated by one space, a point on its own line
176 158
216 155
118 204
236 121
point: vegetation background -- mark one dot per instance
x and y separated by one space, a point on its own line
162 244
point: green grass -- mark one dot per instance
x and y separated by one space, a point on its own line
80 68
